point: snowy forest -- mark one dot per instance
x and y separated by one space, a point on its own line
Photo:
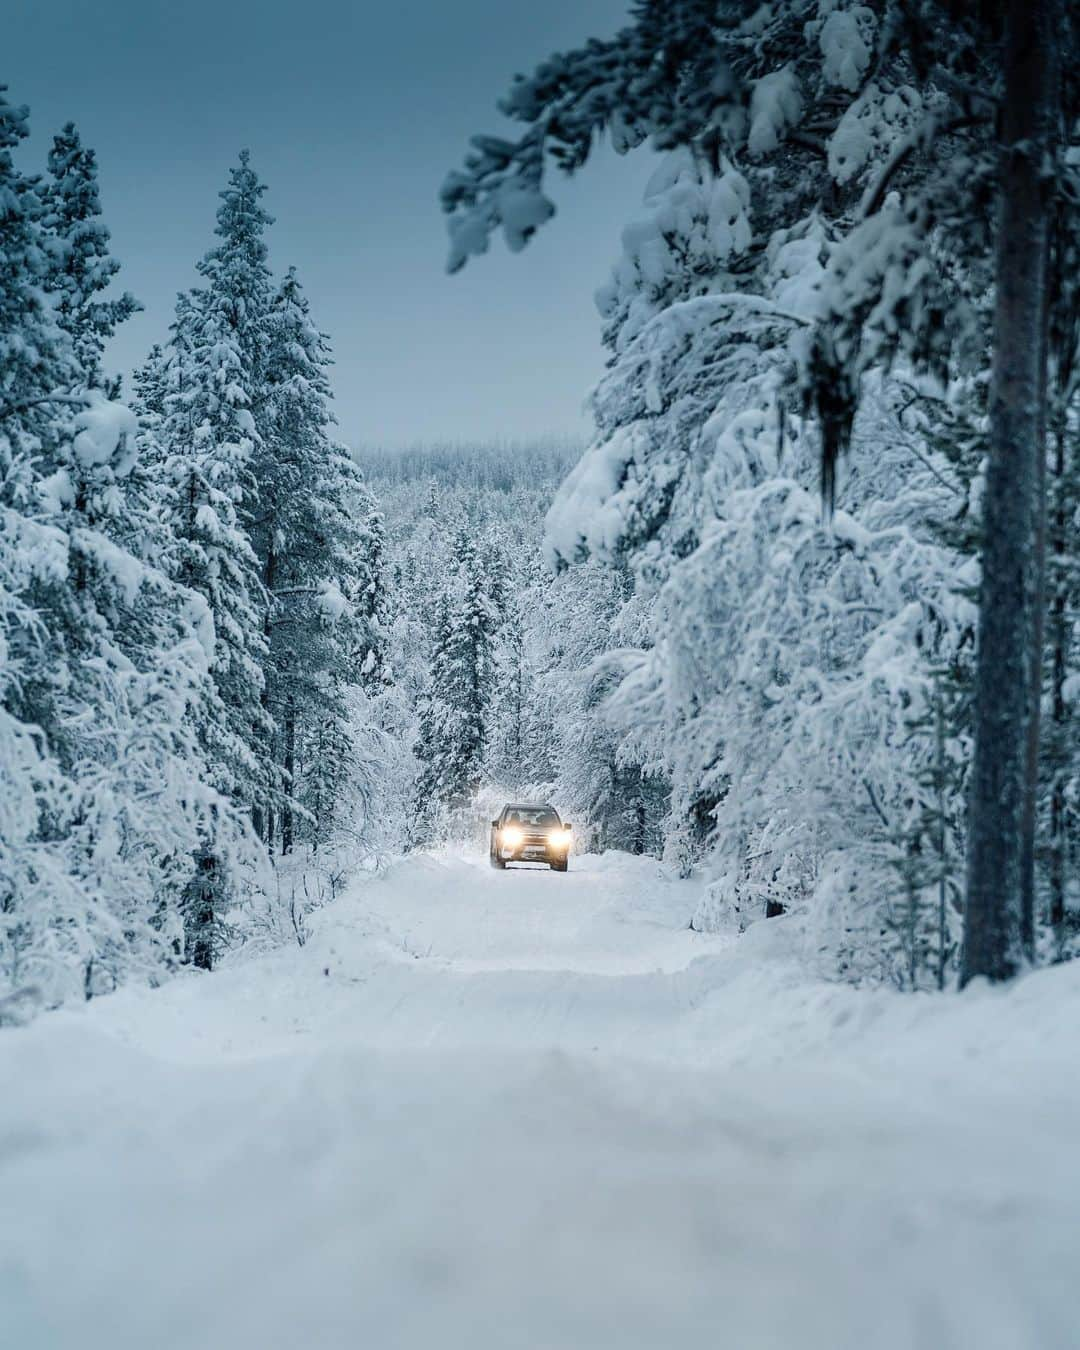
738 632
792 636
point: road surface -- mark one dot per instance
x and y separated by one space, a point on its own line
526 1111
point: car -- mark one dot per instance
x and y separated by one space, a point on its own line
530 832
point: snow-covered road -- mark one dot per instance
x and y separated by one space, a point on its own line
526 1111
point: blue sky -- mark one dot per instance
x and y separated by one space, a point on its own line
353 113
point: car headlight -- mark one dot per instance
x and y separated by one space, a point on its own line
560 838
511 836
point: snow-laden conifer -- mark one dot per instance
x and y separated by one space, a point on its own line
211 437
453 721
105 660
81 267
209 440
318 536
922 116
703 477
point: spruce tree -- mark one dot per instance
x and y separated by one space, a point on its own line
318 540
81 266
928 117
38 891
453 722
211 438
104 670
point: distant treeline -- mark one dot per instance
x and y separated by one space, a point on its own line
492 466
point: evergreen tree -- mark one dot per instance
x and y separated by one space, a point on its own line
211 440
150 386
212 437
903 105
318 537
453 720
105 666
39 892
602 787
923 919
81 267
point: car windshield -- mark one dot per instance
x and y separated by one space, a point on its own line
531 815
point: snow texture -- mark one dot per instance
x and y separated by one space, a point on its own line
521 1110
775 105
846 44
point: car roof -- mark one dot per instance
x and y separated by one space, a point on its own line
529 806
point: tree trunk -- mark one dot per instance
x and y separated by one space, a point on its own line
202 895
639 823
999 923
518 714
1059 636
939 807
290 770
262 815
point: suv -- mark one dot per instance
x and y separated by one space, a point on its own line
528 832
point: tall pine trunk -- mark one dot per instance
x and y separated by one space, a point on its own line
1059 636
262 814
290 774
999 915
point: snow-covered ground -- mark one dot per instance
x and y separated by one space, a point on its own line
526 1111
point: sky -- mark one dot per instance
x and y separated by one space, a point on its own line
353 113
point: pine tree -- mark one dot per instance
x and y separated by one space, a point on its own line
366 590
81 267
923 920
598 769
211 439
903 104
453 720
150 386
104 670
38 891
318 537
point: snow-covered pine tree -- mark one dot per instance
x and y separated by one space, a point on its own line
376 808
690 441
922 918
597 772
292 543
509 740
453 721
210 439
39 891
80 265
890 100
104 662
319 539
365 585
150 384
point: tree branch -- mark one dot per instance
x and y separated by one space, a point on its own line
874 803
923 135
73 400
